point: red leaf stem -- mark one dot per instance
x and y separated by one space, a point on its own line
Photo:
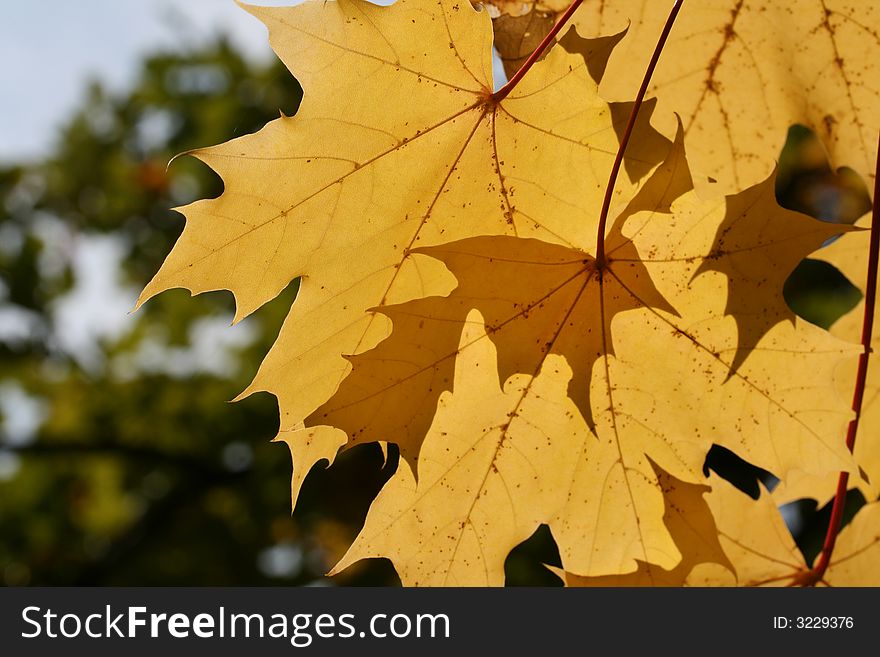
502 93
817 572
618 161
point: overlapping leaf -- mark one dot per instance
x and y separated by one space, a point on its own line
754 537
757 543
856 560
691 524
681 340
397 145
524 382
740 72
488 475
850 255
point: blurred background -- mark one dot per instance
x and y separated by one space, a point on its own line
120 461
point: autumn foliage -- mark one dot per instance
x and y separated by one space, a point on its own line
458 298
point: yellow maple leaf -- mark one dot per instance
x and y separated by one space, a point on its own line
682 339
856 560
758 547
754 537
850 255
763 552
591 372
487 476
739 79
691 524
398 144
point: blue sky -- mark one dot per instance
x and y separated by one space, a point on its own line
49 48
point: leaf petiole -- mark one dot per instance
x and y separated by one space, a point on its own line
817 572
502 93
618 160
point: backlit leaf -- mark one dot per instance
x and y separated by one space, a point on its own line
670 350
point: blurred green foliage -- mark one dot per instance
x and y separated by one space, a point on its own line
134 470
139 473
